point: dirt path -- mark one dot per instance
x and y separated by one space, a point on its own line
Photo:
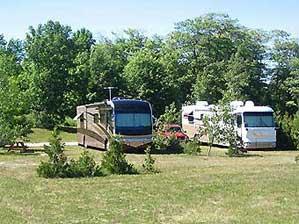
41 144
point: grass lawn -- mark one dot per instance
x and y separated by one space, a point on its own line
43 135
260 188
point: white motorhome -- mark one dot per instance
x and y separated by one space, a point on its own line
254 125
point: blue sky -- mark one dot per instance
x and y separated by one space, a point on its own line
152 17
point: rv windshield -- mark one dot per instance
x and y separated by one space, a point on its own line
259 119
133 123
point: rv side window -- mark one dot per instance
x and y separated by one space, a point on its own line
103 117
96 118
190 117
81 121
239 120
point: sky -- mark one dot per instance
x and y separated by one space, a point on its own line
103 17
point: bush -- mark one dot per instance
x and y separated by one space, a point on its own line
149 162
85 166
114 160
295 130
159 142
192 148
51 170
55 150
233 151
58 165
170 116
288 135
162 144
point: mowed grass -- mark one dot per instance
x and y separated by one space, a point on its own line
260 188
43 135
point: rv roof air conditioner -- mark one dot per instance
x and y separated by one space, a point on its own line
202 103
249 103
236 104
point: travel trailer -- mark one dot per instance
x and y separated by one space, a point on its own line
130 119
254 125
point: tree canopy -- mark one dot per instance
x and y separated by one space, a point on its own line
211 57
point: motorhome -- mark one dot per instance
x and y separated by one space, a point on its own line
254 125
129 118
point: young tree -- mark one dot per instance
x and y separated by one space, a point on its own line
212 128
114 160
228 130
170 116
219 127
14 107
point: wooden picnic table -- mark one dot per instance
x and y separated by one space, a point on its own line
19 145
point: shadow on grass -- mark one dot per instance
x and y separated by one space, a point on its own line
130 150
28 152
166 151
246 155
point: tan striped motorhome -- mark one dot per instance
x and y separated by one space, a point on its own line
129 118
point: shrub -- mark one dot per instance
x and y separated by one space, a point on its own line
170 116
162 144
149 162
295 130
232 151
288 136
159 142
85 166
51 170
55 150
58 165
192 148
114 160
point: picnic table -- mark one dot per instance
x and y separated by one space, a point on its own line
19 145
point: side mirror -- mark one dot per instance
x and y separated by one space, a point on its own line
154 119
246 124
190 118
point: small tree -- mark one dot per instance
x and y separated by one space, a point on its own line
149 162
162 144
170 116
15 123
295 130
57 164
219 127
192 147
85 166
114 160
55 150
229 134
212 128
